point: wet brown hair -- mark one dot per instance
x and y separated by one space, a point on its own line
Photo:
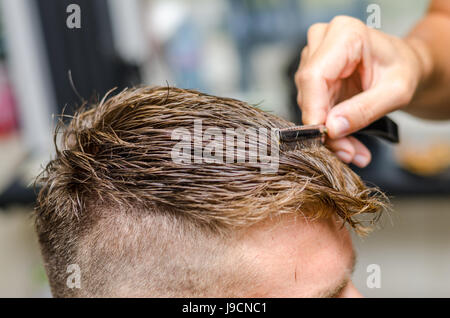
113 192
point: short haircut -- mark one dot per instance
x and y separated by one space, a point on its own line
115 203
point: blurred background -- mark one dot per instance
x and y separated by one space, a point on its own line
247 49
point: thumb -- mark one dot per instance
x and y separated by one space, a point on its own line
359 111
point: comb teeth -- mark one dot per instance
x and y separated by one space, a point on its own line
302 133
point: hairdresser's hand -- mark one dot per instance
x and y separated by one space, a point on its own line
362 72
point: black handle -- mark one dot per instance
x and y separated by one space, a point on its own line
384 128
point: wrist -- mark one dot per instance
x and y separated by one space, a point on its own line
424 58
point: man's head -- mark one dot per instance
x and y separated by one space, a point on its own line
139 223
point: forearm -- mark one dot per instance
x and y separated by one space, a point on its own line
430 40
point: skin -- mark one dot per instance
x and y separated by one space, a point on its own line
350 75
296 257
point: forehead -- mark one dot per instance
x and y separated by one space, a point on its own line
301 258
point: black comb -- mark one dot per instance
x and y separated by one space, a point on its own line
384 128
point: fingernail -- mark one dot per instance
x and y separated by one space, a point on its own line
361 161
340 126
344 156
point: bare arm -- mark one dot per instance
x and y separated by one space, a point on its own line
431 37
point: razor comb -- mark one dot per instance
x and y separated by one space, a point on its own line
384 128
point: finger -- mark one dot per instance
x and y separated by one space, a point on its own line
338 55
314 114
360 110
362 155
343 148
303 58
315 36
315 102
345 46
349 149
